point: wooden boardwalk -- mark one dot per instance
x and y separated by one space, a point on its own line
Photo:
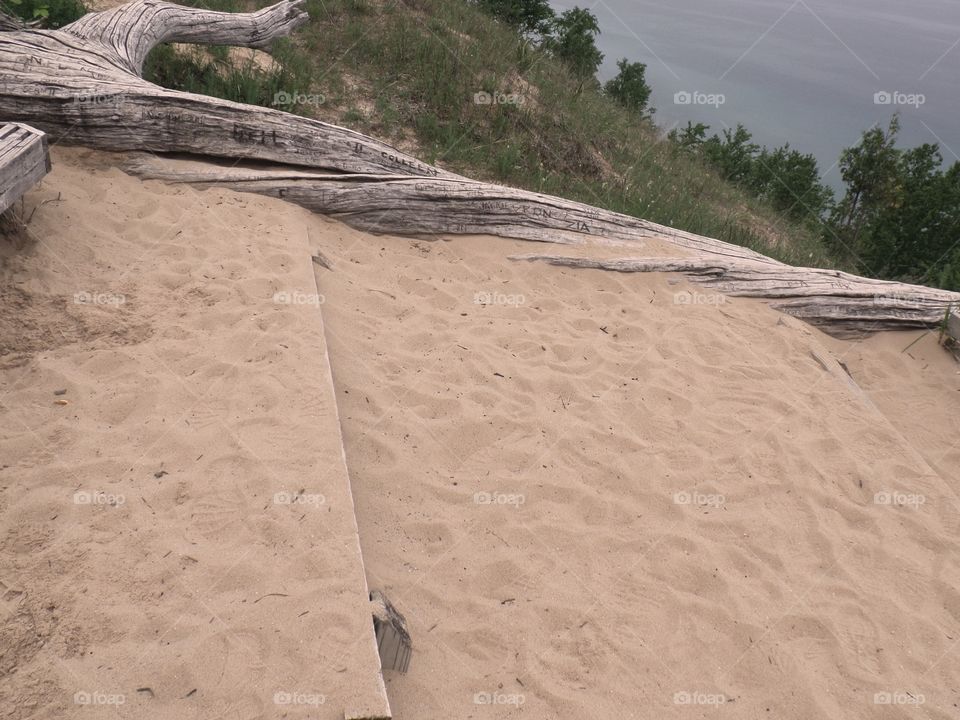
24 160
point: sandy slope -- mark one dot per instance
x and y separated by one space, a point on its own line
179 536
909 381
593 495
683 500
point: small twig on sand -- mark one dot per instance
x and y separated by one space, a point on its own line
922 336
41 204
269 595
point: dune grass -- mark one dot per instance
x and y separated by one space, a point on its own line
410 73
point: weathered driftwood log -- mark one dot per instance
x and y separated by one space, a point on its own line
431 205
9 23
132 35
841 302
82 84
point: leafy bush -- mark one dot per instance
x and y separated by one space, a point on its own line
572 40
690 139
51 14
733 154
787 179
532 18
790 181
629 87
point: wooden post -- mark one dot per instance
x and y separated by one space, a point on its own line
24 160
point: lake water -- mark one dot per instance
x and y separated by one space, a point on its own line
814 73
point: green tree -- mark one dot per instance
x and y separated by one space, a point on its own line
529 17
870 171
629 87
790 181
689 139
900 214
573 40
912 238
733 154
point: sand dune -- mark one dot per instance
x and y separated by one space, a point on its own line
593 495
178 537
602 495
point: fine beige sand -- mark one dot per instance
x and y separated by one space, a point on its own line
593 495
177 539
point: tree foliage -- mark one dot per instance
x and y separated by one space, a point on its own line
51 14
531 18
733 154
572 39
690 139
900 215
788 179
629 87
870 173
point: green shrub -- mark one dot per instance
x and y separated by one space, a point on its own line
51 14
572 39
629 87
529 17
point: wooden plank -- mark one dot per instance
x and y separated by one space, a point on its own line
24 161
953 325
393 638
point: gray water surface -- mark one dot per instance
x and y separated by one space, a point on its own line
805 72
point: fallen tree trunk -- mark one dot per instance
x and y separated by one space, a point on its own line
841 302
8 23
81 84
432 205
